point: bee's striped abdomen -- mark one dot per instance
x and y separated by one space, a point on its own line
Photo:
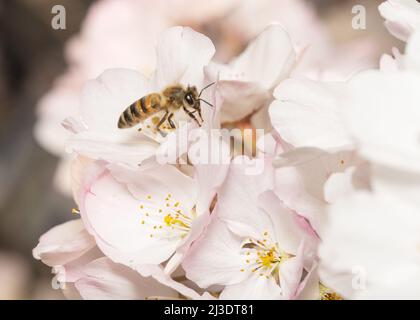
140 110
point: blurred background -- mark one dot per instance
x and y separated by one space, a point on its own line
32 56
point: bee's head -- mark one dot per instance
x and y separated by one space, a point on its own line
191 97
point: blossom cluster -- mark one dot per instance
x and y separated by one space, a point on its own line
311 192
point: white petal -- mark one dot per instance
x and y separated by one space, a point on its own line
311 119
412 59
385 105
370 247
267 60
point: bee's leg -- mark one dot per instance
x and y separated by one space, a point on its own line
171 123
162 120
199 113
190 114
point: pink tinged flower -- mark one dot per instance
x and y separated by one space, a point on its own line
152 217
253 246
402 17
246 82
84 272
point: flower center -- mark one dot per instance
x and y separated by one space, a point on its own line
263 256
165 218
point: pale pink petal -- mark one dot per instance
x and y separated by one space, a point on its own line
215 258
238 198
287 232
267 60
311 119
105 280
290 274
182 55
63 243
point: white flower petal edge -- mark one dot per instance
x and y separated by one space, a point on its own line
402 17
63 243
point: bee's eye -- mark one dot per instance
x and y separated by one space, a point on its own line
189 98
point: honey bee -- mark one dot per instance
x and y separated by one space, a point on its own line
171 99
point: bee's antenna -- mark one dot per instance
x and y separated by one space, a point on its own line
207 102
209 85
